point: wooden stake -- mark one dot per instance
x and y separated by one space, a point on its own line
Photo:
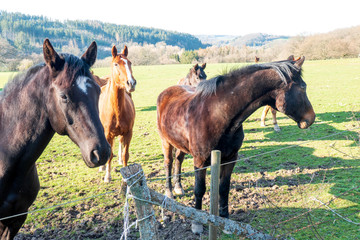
214 190
135 178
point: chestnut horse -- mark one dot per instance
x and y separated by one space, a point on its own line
59 96
210 117
195 75
117 110
267 107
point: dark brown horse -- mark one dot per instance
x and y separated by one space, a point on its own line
117 110
195 75
59 96
211 117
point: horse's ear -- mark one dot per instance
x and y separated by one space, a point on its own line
90 55
125 51
114 51
52 59
300 62
291 58
196 66
203 66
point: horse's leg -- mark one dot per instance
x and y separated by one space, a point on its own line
263 115
200 188
179 158
107 177
224 189
120 159
25 197
276 126
125 141
168 161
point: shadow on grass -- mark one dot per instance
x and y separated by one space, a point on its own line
145 109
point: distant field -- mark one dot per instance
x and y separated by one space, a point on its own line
279 193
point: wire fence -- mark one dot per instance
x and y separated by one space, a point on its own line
278 228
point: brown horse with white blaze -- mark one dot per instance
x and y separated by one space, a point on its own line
61 97
210 117
117 110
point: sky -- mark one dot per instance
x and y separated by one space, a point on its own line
199 17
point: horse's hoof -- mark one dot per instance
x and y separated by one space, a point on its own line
263 125
196 227
107 179
169 194
179 191
102 168
277 128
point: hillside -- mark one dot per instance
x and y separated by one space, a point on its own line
251 40
27 33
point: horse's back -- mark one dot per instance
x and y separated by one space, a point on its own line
101 81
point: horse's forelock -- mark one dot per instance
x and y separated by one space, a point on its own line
73 68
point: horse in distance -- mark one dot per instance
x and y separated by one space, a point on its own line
197 121
61 97
195 75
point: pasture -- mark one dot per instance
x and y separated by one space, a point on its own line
289 183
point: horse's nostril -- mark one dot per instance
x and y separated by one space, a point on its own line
95 157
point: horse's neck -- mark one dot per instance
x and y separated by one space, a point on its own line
245 98
25 126
117 96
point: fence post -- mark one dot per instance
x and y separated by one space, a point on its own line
214 190
135 179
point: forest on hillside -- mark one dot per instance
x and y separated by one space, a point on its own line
22 36
26 33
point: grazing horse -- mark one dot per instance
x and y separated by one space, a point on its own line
210 117
267 107
117 110
195 75
59 96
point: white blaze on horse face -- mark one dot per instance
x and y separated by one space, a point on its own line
83 83
128 72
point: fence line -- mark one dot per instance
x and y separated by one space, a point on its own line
189 172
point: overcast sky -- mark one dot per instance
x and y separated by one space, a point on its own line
218 17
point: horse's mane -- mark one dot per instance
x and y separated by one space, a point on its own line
285 69
22 78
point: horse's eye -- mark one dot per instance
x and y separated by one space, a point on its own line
115 64
63 97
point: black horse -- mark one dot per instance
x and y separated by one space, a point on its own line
196 121
59 96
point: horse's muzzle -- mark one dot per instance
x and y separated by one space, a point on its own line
130 86
307 121
99 156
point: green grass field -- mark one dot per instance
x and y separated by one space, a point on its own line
277 188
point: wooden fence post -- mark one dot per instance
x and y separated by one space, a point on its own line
135 179
214 190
